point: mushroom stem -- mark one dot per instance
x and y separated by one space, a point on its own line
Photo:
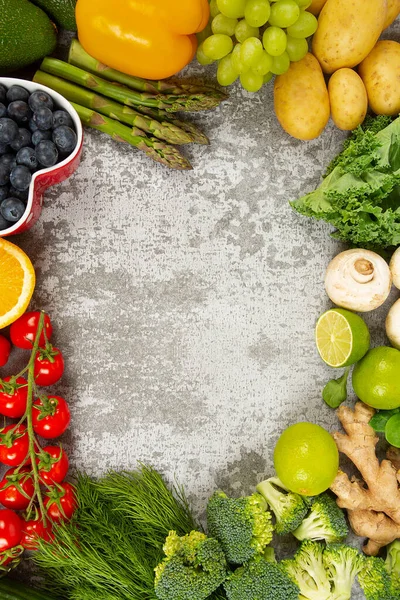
363 270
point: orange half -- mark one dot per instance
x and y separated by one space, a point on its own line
17 282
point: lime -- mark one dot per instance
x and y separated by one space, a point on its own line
376 378
342 337
306 459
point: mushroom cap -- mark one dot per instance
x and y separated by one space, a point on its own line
395 268
359 280
393 325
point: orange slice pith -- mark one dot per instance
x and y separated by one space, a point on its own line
17 282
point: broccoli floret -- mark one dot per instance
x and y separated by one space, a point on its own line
194 567
262 580
342 563
243 526
375 580
307 571
326 521
393 567
289 508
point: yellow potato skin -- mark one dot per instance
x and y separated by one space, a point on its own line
348 98
393 11
380 72
347 32
316 6
301 99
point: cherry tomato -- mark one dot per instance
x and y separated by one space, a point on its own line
61 502
5 349
34 529
50 416
17 489
49 366
14 445
10 529
13 397
23 330
53 464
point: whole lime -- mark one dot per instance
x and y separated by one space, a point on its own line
376 378
306 459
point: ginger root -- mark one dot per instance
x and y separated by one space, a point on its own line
373 504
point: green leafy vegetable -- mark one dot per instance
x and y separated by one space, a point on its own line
392 430
360 195
335 391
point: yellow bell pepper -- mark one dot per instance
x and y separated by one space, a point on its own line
152 39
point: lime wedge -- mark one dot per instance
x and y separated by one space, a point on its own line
342 337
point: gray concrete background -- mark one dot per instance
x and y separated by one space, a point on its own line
185 303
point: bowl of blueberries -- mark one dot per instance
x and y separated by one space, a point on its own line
41 140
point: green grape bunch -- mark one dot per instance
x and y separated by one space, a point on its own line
255 39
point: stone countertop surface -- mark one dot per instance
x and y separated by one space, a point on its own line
185 302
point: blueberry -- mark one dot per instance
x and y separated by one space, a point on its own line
61 117
4 192
22 195
43 117
12 209
39 99
8 160
3 93
27 157
19 111
17 92
4 174
32 126
4 148
39 136
65 139
8 130
47 153
24 139
3 110
3 223
20 177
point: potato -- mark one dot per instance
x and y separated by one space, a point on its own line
348 98
393 10
380 72
316 6
301 99
347 32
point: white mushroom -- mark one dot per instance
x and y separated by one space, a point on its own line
393 325
395 268
358 279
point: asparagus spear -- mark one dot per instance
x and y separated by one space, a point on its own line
155 113
80 58
74 93
170 103
156 149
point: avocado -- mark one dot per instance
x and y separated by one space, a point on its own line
61 11
26 34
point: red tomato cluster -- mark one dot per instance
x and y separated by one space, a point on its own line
49 418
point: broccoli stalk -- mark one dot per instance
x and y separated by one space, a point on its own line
307 571
260 578
375 580
289 508
393 566
194 567
243 526
326 521
342 563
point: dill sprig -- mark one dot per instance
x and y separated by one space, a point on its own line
110 548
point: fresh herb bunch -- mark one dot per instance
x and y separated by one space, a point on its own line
111 547
360 194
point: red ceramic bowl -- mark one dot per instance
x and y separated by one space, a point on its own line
45 178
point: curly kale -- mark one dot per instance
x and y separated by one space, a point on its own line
289 508
326 521
194 567
260 578
360 195
243 526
